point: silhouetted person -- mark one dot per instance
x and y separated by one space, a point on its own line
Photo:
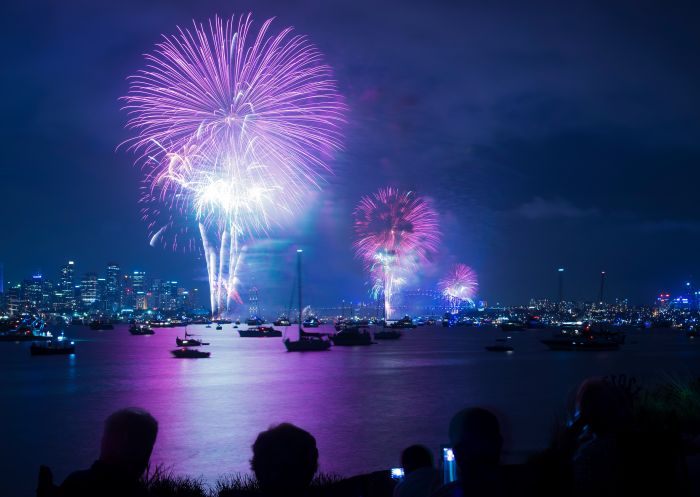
475 435
602 414
285 459
420 476
127 443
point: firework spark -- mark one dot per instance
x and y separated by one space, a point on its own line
460 284
396 232
234 129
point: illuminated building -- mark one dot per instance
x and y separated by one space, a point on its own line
33 291
112 295
88 289
66 285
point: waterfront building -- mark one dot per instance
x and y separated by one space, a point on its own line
66 286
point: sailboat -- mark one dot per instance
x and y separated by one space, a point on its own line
308 342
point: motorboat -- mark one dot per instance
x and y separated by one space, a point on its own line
387 334
259 331
585 336
60 346
513 326
188 341
185 353
499 348
352 335
140 329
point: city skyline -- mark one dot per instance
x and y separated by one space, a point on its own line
552 156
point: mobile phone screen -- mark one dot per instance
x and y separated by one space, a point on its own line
397 473
449 465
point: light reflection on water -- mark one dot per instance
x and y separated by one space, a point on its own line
362 404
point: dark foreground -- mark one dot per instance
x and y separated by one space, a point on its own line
363 405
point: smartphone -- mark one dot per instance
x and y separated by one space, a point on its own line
449 465
397 473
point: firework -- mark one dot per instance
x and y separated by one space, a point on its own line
234 129
396 232
460 284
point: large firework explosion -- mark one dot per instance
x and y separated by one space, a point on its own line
234 129
460 284
396 232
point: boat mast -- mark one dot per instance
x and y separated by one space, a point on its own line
299 251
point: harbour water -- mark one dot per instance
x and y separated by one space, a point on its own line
363 404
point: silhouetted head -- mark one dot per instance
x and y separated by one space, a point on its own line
285 459
128 438
416 457
476 438
602 406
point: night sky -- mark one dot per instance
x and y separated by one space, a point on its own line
549 135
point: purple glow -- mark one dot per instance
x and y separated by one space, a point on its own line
234 130
396 232
461 283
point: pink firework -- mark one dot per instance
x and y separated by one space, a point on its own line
235 128
397 223
396 232
461 283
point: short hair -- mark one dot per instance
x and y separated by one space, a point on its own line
475 434
602 405
285 459
416 457
130 434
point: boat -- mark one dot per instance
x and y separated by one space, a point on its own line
219 327
513 326
208 326
282 321
140 329
101 325
188 342
60 346
26 330
185 353
499 348
307 342
403 323
387 334
311 323
223 321
254 321
259 331
585 336
352 335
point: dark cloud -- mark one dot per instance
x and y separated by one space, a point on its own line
539 208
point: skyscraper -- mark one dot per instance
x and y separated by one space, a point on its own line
67 285
88 290
113 288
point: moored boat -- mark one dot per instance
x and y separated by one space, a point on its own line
185 353
140 329
259 331
387 334
351 336
60 346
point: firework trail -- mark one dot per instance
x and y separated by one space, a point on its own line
396 233
460 284
234 128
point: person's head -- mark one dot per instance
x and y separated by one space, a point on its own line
601 405
475 435
285 459
416 457
128 438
